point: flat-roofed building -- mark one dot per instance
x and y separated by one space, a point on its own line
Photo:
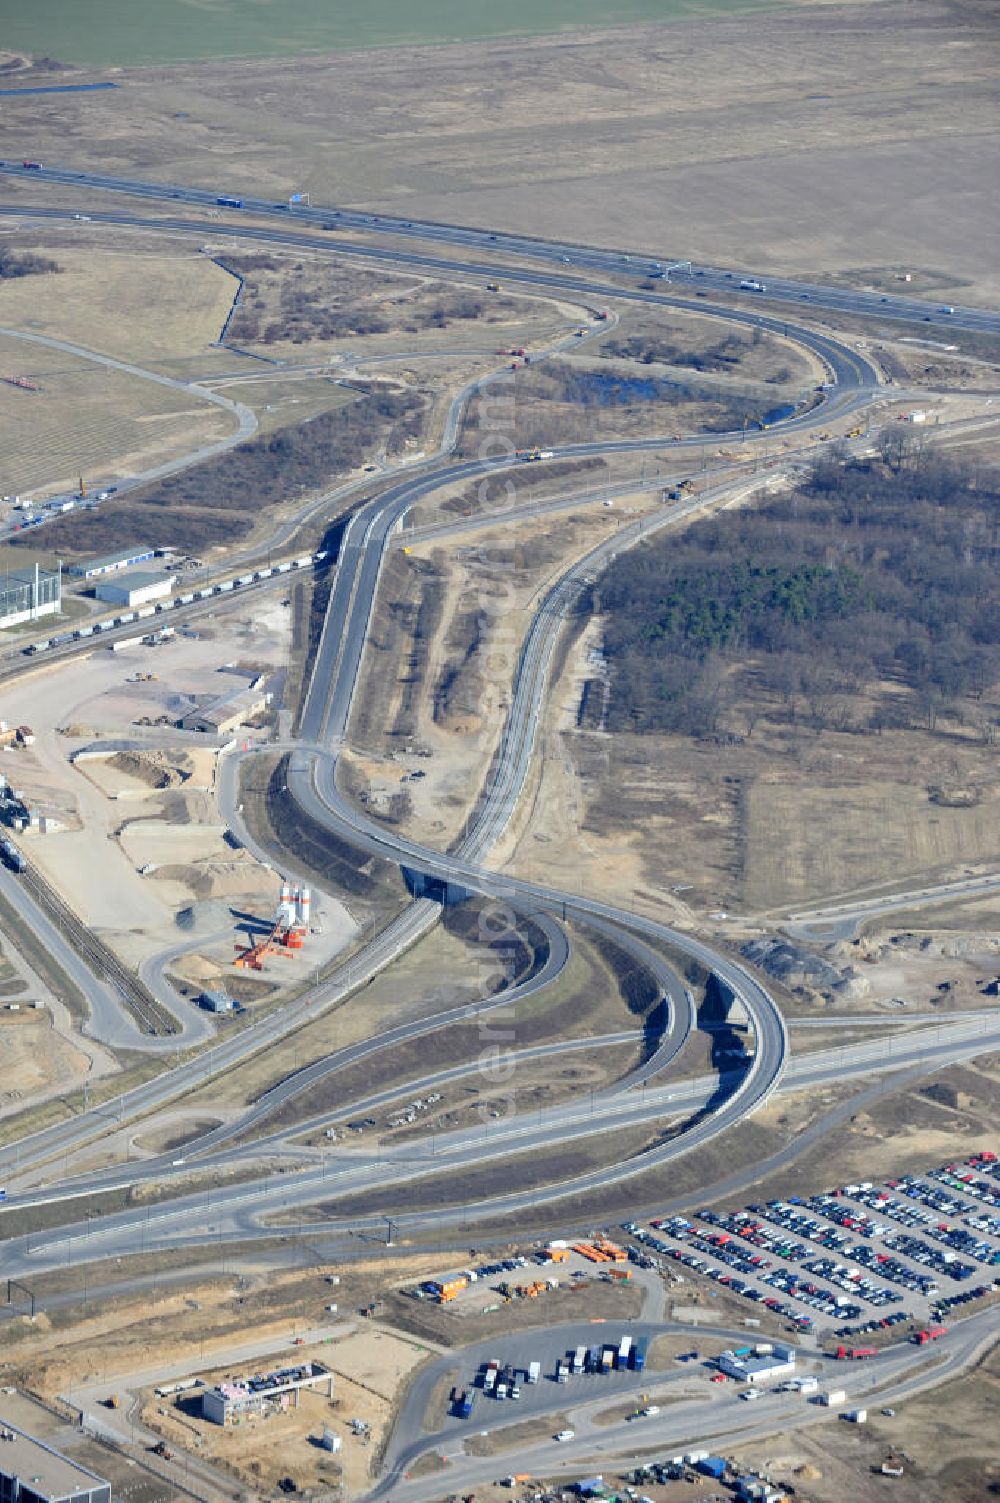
137 587
32 1472
26 594
110 563
263 1393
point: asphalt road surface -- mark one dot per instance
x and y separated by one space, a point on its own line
506 243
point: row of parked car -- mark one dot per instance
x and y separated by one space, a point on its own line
923 1209
963 1297
847 1224
969 1179
878 1323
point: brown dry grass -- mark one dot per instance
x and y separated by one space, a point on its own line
149 305
90 420
783 818
941 1438
772 143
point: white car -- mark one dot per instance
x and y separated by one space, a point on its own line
565 1435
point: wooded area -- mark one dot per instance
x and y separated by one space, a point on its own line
865 598
24 263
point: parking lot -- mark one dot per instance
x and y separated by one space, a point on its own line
859 1258
509 1359
532 1276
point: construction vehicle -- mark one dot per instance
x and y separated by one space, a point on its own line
112 1401
291 925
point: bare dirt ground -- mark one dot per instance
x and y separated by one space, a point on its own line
941 1441
768 820
947 1116
170 879
36 1060
776 143
369 1369
455 615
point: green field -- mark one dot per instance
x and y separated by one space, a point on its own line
122 32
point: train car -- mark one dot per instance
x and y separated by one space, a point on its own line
12 857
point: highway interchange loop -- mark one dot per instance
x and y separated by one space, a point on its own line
312 781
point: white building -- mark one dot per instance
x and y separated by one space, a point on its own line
228 1402
135 588
757 1369
111 563
26 594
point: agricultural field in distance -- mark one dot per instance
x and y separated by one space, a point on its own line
179 30
770 141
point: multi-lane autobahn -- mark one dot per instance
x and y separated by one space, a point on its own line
695 1111
502 243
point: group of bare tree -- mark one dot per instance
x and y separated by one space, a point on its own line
864 599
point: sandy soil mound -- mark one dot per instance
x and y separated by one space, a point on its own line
204 917
152 768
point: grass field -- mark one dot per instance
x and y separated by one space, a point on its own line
89 420
151 306
122 32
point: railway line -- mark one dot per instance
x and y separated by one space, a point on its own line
313 779
150 1015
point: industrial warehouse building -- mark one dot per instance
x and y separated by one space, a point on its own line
229 1402
26 594
32 1472
753 1369
221 716
111 563
136 588
217 1002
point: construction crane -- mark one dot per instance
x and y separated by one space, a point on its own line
288 932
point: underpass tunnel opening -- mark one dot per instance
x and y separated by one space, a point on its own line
437 889
723 1016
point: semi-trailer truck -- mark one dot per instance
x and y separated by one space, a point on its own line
579 1359
227 202
624 1348
534 1371
639 1355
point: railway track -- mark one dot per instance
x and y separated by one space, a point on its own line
151 1016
